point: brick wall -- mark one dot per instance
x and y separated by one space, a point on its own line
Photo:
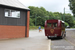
28 16
7 31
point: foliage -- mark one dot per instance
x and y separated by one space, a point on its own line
37 11
66 24
40 21
74 24
40 15
72 6
31 22
69 19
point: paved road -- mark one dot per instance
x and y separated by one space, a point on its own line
36 41
68 43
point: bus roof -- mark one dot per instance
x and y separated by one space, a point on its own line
55 20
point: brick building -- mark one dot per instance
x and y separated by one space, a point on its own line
14 19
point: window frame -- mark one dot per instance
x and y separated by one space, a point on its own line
11 16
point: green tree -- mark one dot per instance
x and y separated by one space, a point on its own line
37 11
72 6
42 15
69 19
40 21
51 15
66 24
31 22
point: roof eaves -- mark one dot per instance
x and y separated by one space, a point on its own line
14 7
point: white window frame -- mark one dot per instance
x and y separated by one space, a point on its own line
12 13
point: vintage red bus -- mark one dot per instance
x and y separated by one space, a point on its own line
55 28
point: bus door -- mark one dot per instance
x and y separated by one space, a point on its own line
51 28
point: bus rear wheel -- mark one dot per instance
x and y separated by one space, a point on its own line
63 36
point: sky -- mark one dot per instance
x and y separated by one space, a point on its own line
49 5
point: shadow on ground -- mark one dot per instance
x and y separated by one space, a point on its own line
52 39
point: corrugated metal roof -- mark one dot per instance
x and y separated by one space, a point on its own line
13 3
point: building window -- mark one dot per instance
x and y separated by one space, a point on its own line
12 13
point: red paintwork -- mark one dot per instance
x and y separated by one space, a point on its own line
57 30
